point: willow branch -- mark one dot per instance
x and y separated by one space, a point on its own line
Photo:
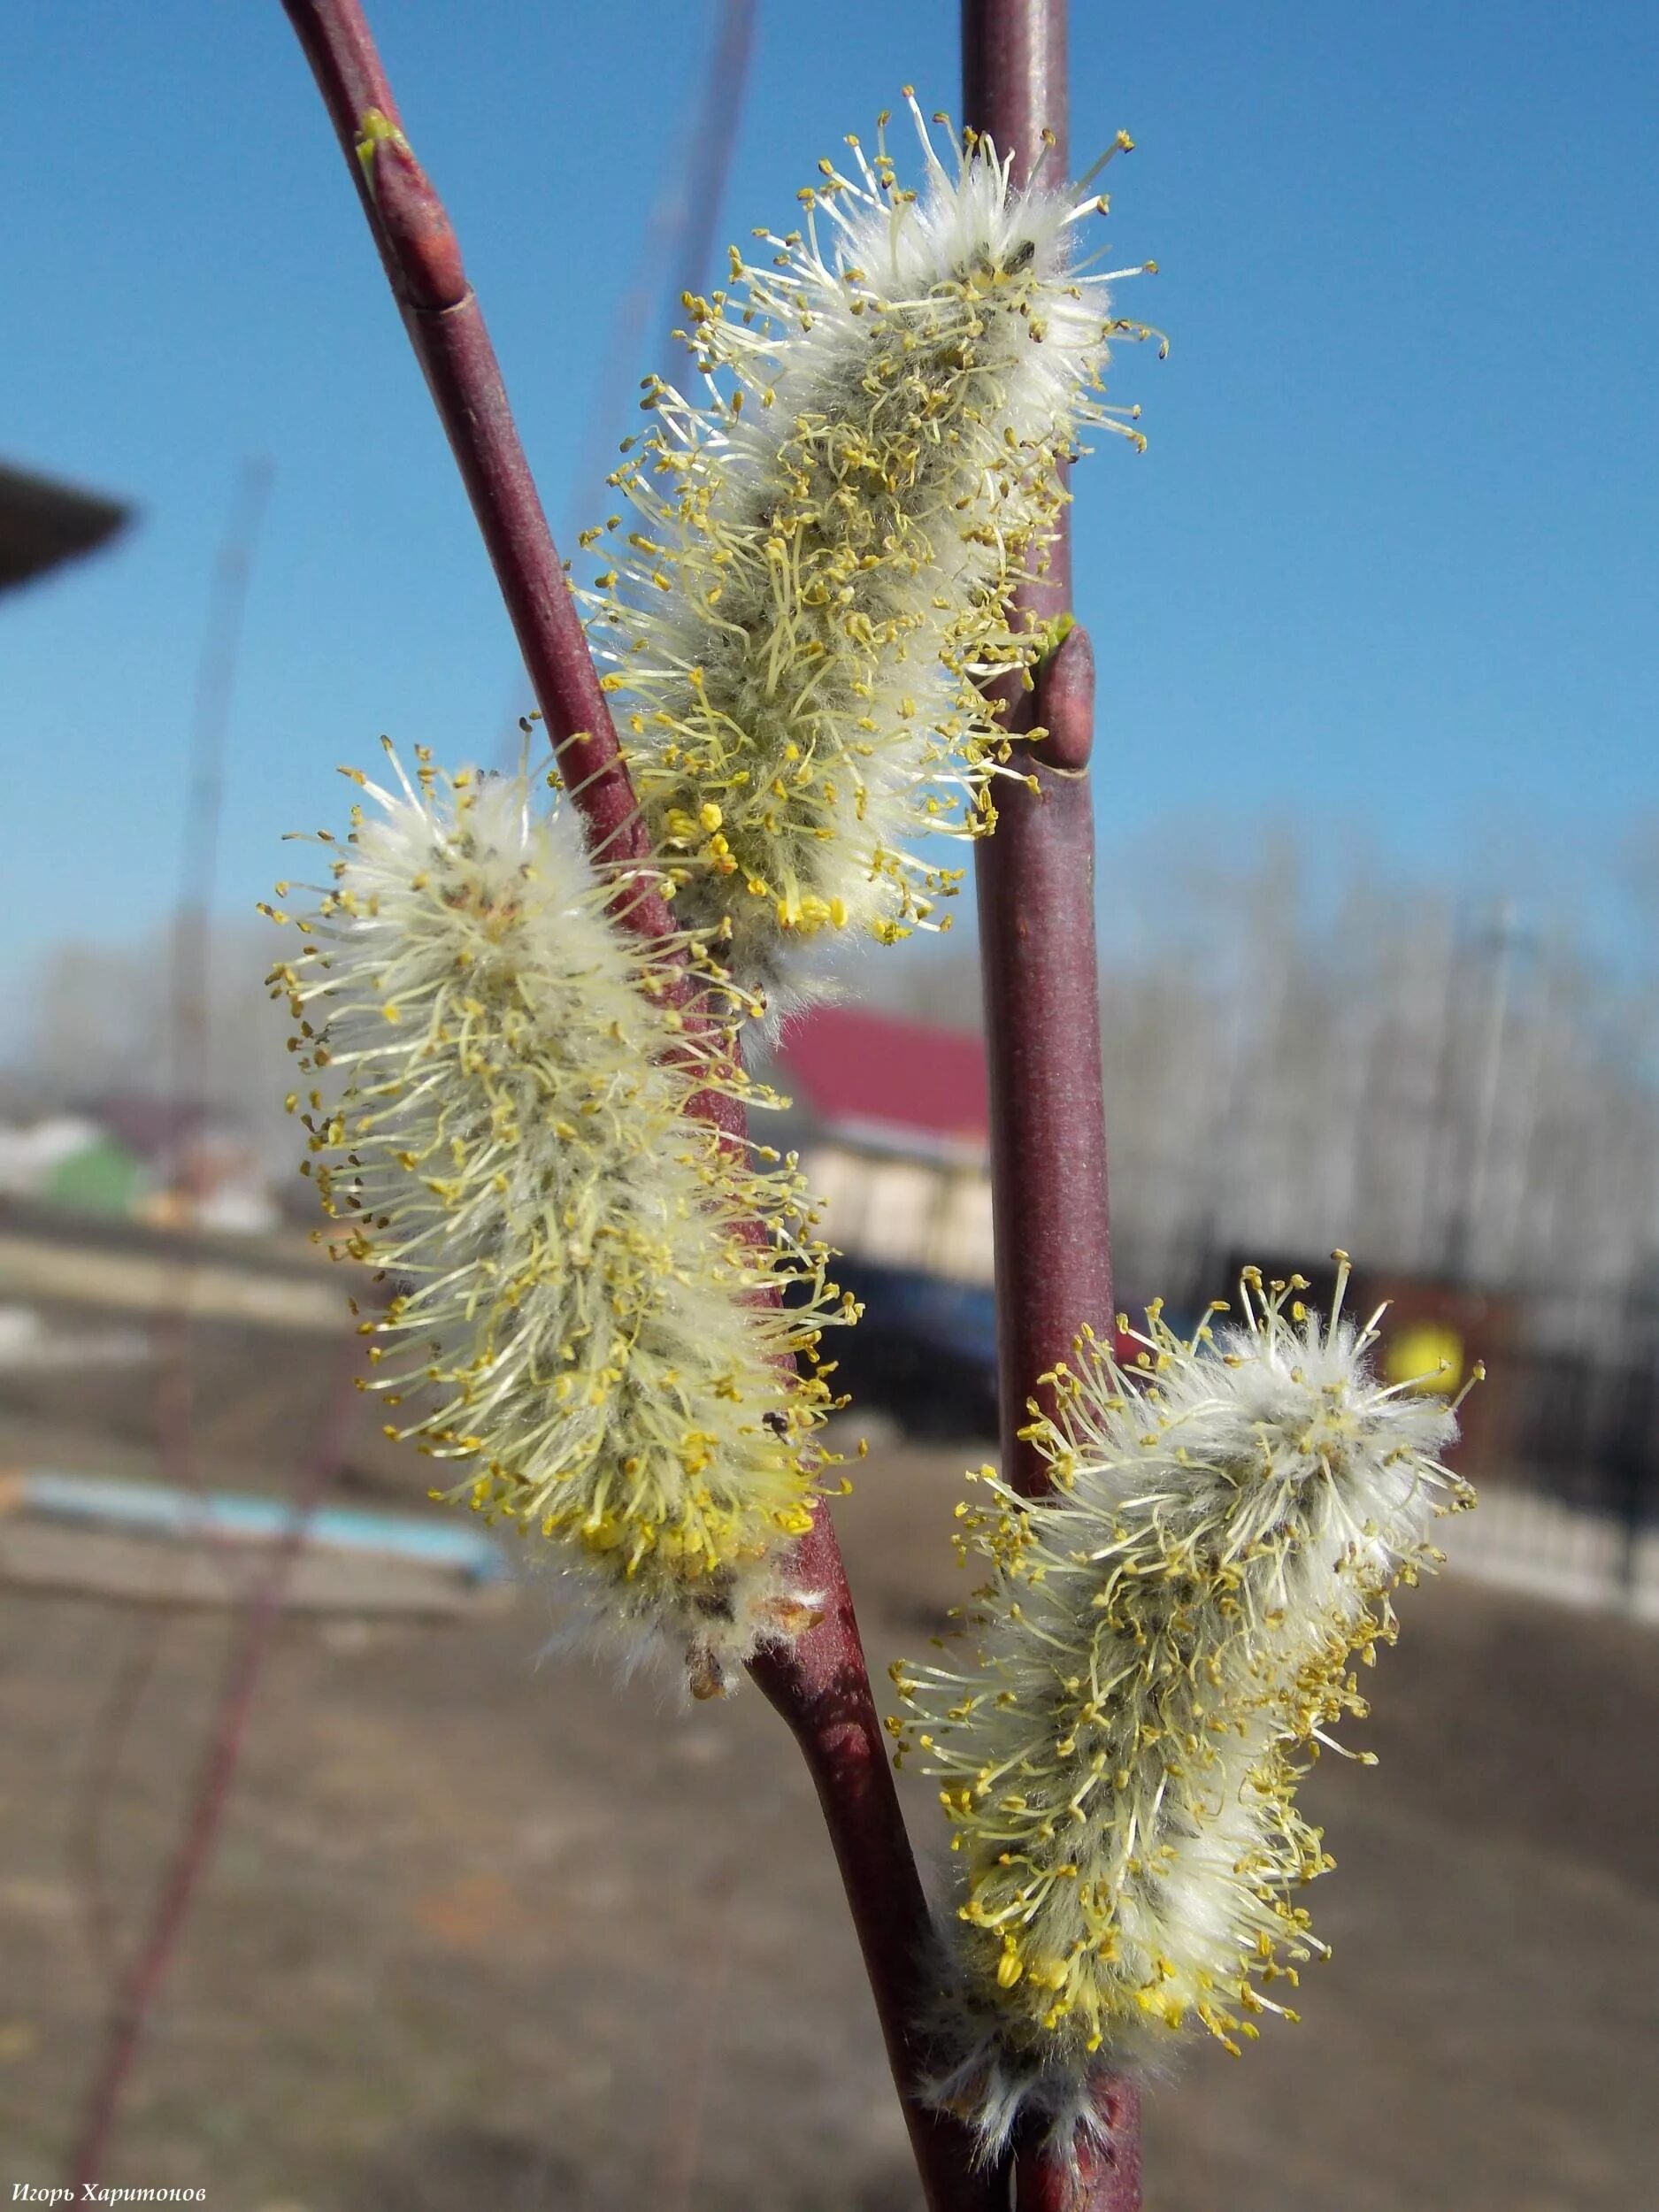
820 1685
1035 883
422 259
251 1644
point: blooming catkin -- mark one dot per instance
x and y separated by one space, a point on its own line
1164 1639
579 1315
819 581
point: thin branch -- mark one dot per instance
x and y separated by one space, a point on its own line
674 257
189 1038
675 254
187 1076
194 1851
1035 880
821 1685
422 258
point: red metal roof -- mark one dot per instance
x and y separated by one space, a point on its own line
881 1073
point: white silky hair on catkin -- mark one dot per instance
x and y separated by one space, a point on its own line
1163 1640
817 581
583 1316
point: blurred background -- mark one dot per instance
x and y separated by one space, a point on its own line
413 1916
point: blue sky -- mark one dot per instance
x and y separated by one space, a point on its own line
1388 566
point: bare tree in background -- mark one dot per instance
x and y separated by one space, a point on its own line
99 1008
1448 1085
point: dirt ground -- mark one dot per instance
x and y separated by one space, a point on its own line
487 1931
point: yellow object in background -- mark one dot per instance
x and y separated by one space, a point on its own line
1426 1353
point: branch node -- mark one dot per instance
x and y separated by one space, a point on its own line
417 231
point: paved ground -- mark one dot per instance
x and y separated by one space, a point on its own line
488 1934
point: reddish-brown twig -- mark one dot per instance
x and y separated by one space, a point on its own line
1035 880
675 252
821 1685
250 1644
422 258
187 1072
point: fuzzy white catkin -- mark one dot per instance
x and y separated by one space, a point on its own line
580 1319
817 581
1163 1640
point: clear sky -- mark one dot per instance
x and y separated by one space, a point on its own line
1389 563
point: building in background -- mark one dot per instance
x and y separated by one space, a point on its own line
891 1117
